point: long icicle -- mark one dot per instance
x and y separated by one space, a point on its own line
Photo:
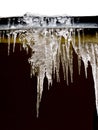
15 36
8 43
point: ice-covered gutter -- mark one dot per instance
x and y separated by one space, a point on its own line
44 36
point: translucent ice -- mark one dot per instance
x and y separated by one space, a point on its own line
51 45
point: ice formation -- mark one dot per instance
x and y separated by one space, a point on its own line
49 42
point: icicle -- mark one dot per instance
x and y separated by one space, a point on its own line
85 57
74 37
71 56
8 42
64 55
79 55
15 36
83 36
55 43
57 68
95 73
66 60
71 63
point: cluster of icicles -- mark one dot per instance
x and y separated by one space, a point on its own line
47 47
